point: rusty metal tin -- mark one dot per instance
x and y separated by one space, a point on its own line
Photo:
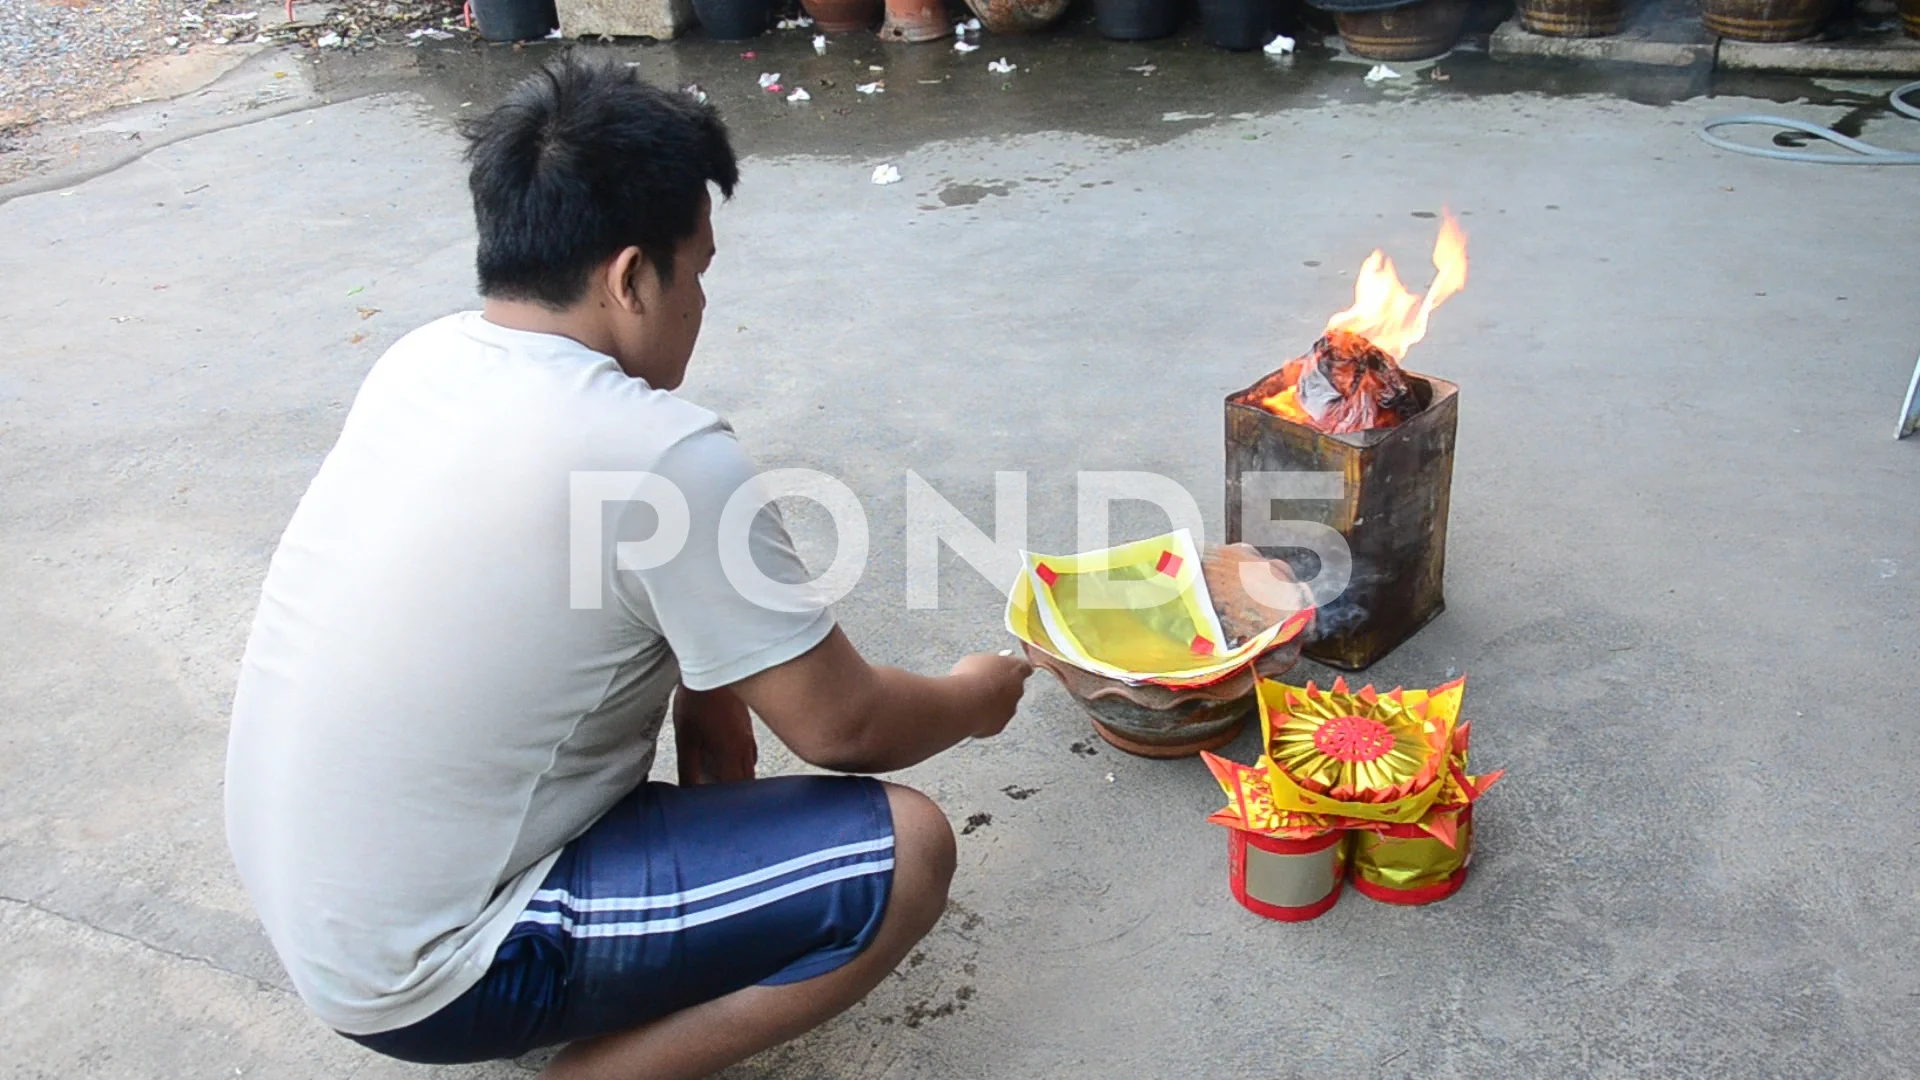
1288 880
1393 512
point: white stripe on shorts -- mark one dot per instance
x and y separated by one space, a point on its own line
590 905
714 914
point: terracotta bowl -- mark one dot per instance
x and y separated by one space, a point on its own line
1155 722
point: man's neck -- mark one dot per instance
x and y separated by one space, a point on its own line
538 319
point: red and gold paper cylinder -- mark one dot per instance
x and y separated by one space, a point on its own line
1289 880
1404 864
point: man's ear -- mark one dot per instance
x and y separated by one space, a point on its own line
625 273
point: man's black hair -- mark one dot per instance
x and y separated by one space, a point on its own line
580 161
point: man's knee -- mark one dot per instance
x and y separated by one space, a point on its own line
923 853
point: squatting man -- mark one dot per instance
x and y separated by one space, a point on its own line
437 779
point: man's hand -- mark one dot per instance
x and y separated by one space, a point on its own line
713 737
999 680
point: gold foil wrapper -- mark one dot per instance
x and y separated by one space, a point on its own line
1409 864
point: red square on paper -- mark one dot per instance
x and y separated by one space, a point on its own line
1202 647
1046 574
1169 563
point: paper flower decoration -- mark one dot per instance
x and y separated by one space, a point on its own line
1385 772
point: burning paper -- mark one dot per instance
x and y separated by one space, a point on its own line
1139 613
1350 380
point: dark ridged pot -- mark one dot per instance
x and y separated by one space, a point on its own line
1414 32
734 20
515 20
1136 20
1765 20
1572 18
1239 25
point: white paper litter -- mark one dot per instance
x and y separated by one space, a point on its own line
769 79
1381 73
329 40
886 174
692 89
799 94
1000 66
428 32
971 26
1281 45
800 23
963 46
553 34
820 44
872 88
1175 117
1145 69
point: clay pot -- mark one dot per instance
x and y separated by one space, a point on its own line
841 16
1764 20
1153 721
916 20
1240 25
1572 18
1018 16
1910 15
734 20
1415 32
1136 20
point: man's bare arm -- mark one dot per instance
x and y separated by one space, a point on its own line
839 712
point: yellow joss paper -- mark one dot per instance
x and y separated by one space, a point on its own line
1138 612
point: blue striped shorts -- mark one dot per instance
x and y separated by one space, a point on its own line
676 896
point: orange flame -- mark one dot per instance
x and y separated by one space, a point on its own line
1385 313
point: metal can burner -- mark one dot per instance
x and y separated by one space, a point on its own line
1392 512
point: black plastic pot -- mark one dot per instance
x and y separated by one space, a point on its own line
515 20
1136 20
734 20
1237 24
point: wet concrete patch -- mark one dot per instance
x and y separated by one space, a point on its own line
1071 80
971 194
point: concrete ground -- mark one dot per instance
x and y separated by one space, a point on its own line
1685 561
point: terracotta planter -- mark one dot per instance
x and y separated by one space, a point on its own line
1765 20
916 20
1572 18
1415 32
1910 15
841 16
1153 721
1018 16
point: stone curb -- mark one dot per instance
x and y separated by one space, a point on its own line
1899 57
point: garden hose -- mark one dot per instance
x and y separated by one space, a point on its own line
1863 153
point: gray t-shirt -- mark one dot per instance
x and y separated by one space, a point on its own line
454 670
